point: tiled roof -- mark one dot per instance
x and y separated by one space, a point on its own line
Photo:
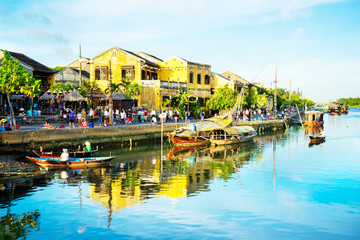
31 62
83 72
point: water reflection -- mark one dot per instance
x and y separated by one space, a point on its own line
142 186
15 226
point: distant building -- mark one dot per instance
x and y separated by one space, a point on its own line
220 81
72 76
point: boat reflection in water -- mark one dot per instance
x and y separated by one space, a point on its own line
315 135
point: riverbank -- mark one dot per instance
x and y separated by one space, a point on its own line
125 135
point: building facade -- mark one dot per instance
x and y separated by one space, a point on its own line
72 76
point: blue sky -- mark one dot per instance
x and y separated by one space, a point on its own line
313 43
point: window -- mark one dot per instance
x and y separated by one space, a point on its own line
154 76
164 84
128 72
191 80
207 79
199 78
142 75
101 73
212 91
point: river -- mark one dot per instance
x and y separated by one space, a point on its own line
277 187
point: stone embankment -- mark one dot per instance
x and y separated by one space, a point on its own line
69 137
125 135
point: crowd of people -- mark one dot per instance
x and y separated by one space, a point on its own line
99 116
120 116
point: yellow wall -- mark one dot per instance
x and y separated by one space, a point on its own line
173 70
178 70
121 58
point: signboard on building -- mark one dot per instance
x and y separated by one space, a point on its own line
148 83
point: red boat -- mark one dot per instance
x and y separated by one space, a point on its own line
72 163
79 154
187 140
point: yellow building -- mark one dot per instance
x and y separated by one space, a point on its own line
176 73
160 80
219 81
123 64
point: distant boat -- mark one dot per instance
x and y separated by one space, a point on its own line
72 162
232 135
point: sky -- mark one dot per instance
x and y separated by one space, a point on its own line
312 43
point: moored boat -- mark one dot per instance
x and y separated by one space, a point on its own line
78 154
314 119
72 162
198 133
232 135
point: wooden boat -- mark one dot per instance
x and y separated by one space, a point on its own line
232 135
317 139
198 133
334 109
79 154
72 162
344 108
314 119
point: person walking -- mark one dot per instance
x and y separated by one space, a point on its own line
83 115
71 118
176 115
78 116
91 114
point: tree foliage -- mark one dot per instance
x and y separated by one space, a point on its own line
350 101
132 91
14 79
225 98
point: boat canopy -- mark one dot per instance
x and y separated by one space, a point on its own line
238 130
314 116
211 123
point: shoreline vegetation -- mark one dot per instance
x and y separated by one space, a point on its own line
351 102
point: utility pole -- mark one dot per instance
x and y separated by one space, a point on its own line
111 114
275 93
290 96
80 79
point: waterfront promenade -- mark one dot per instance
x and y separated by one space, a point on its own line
34 136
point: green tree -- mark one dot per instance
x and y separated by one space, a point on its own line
167 103
58 68
225 98
115 87
14 79
132 91
182 101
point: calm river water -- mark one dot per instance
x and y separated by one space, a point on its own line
276 188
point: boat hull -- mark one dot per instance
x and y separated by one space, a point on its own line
315 140
58 154
188 140
219 142
71 163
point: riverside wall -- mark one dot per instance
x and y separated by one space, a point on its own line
70 137
125 135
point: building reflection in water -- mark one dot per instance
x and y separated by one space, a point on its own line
184 172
